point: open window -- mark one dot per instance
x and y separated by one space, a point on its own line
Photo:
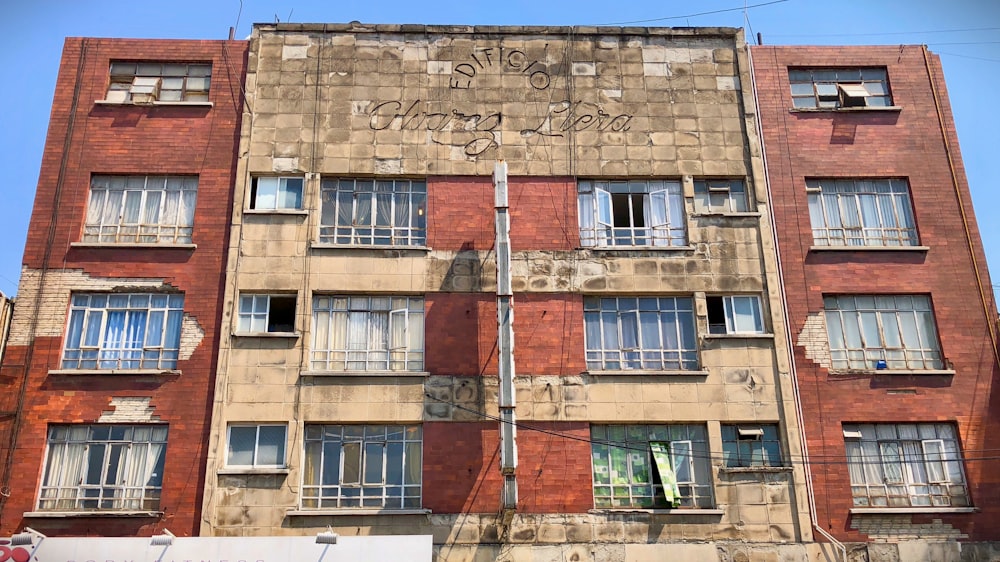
749 445
631 213
266 313
275 193
835 88
158 82
734 314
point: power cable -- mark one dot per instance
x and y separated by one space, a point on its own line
744 7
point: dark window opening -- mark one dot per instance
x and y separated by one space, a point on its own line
716 315
281 314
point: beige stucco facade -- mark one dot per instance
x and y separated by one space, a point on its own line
420 101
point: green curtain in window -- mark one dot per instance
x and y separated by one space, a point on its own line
661 455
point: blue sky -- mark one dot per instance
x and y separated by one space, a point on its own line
966 33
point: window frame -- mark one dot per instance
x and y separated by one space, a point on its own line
660 203
281 445
732 320
885 203
874 450
246 319
399 203
838 88
144 84
73 488
607 355
109 219
280 192
751 446
726 200
622 451
113 351
849 326
402 493
404 337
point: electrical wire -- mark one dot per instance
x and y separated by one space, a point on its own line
881 33
744 7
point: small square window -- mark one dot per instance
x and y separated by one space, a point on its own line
270 194
751 445
734 314
256 446
266 313
720 196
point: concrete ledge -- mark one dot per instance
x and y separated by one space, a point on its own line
754 469
95 513
892 372
869 248
354 511
289 335
888 108
734 215
646 373
231 471
116 372
136 245
908 510
672 512
738 336
355 374
291 212
324 246
156 103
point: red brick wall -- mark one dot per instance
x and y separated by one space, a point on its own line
871 144
553 473
548 334
84 139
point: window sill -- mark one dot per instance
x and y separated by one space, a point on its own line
739 336
906 510
354 511
288 335
422 374
649 373
66 514
137 245
251 471
116 372
754 469
156 103
324 246
659 511
733 214
292 212
893 372
630 249
888 108
869 248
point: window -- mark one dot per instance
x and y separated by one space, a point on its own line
271 194
651 466
882 332
123 331
720 196
833 88
905 465
652 333
365 333
631 213
256 446
266 313
141 209
734 314
374 212
376 466
103 467
147 82
751 445
861 212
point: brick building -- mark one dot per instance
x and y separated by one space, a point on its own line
112 350
890 305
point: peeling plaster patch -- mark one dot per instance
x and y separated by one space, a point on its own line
388 166
129 409
294 52
815 340
612 94
895 528
52 308
191 336
360 107
286 165
438 67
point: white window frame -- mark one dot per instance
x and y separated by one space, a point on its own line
743 314
882 332
632 213
640 333
861 212
892 465
367 333
373 212
276 193
747 446
362 466
131 461
123 331
141 209
165 82
836 88
255 314
622 460
259 447
721 196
